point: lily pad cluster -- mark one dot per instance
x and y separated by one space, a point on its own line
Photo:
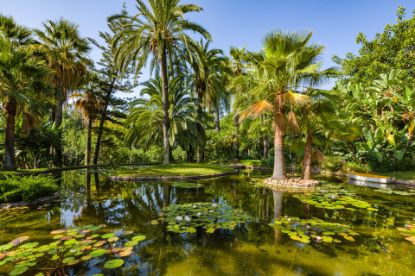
335 200
410 192
314 230
186 218
408 232
71 246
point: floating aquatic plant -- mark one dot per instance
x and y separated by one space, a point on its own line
335 199
314 230
410 192
186 218
408 232
71 246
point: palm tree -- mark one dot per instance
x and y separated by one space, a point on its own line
273 81
146 115
316 120
21 74
88 106
158 30
66 53
209 77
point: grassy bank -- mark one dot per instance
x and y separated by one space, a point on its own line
184 169
14 188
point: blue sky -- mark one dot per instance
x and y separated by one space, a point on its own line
242 23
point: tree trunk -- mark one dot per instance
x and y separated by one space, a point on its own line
88 143
308 151
102 122
266 147
9 157
279 162
58 123
236 143
217 120
166 106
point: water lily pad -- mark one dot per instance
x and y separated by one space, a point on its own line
108 235
112 264
139 238
98 252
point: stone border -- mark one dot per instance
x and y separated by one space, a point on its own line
170 177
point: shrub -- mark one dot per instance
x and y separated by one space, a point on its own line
332 163
14 188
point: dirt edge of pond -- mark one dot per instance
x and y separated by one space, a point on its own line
170 177
46 199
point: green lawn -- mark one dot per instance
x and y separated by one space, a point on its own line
185 169
405 175
251 162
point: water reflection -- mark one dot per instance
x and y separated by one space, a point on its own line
253 248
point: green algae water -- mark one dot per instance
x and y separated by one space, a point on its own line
226 226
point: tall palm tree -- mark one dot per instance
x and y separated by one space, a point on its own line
158 30
209 77
21 74
88 105
66 53
273 83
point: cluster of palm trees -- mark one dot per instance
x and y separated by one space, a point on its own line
41 70
192 85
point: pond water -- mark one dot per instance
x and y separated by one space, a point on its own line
371 245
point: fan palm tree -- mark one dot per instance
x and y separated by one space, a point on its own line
273 81
146 115
158 30
66 53
22 72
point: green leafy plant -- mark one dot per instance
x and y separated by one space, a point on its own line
16 188
186 218
314 230
71 246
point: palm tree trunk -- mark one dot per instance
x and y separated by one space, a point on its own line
279 162
88 143
9 157
307 157
266 147
102 122
236 143
166 105
58 124
217 120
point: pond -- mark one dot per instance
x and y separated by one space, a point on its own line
227 226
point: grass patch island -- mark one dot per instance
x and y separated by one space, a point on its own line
183 169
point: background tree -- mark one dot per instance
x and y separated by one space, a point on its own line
66 53
391 49
157 30
21 74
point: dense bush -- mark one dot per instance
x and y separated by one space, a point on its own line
15 188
